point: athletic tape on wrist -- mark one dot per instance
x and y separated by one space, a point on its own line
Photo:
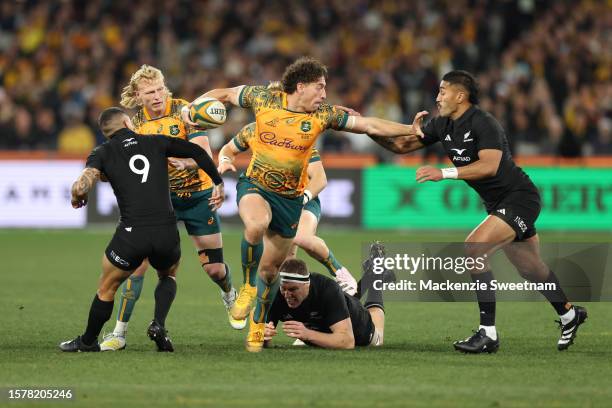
350 123
307 196
450 173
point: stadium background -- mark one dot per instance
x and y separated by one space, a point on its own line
545 72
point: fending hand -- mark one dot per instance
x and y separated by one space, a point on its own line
218 197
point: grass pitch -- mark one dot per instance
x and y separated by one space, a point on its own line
49 279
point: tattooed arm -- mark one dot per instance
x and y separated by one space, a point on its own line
401 144
83 185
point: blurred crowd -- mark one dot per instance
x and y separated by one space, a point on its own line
544 67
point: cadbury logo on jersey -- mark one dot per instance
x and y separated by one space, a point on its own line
269 138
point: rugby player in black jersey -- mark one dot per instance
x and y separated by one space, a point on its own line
138 172
477 146
315 310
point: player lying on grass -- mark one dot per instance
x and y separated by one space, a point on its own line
137 169
313 309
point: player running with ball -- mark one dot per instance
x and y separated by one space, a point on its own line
271 193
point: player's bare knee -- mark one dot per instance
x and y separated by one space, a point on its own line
303 241
254 233
216 271
267 272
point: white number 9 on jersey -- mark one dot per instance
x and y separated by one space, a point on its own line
144 171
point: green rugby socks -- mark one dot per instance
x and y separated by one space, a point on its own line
251 254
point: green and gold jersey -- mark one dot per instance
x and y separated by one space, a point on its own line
242 139
281 140
182 182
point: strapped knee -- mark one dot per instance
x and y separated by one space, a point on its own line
210 256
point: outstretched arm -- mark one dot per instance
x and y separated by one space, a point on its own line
401 144
385 128
404 144
83 185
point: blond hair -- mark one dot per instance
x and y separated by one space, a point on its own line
145 73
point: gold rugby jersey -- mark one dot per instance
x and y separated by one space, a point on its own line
282 140
241 141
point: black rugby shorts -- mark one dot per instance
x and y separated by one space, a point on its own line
520 210
131 245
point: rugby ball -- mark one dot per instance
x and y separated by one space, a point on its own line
207 113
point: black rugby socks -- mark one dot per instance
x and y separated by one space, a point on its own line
165 291
486 298
99 313
556 297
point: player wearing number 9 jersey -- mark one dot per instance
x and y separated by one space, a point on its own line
137 170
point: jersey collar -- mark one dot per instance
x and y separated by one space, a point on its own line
123 132
166 113
466 115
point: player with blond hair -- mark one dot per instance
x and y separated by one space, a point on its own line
159 113
271 192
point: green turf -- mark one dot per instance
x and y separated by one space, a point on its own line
49 279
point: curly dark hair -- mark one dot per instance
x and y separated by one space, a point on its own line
305 70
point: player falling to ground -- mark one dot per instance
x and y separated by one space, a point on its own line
305 237
315 310
476 144
137 170
271 193
159 113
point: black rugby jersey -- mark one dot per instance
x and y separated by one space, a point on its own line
137 169
462 139
325 306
